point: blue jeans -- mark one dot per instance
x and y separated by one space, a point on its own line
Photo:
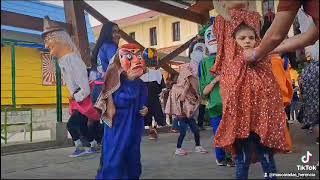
244 153
183 125
175 124
202 111
220 154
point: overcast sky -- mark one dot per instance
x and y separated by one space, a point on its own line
112 10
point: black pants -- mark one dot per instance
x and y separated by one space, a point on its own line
77 125
202 110
79 128
183 125
95 131
155 110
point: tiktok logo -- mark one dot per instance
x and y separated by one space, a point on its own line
305 159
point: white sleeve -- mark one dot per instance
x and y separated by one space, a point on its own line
79 74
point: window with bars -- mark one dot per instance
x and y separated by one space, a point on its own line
176 31
132 35
153 36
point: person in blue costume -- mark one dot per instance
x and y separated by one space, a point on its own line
123 106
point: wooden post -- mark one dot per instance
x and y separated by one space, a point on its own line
74 14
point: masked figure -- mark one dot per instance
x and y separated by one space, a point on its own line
210 91
75 75
123 105
184 99
186 87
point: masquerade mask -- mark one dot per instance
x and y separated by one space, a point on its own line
198 53
131 60
210 40
150 55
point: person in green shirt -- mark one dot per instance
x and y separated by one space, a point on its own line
209 89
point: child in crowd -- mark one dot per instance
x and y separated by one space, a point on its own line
253 122
210 90
184 99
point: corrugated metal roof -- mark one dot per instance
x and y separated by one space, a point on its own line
39 9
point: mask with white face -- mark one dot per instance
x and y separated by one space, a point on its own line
198 53
210 40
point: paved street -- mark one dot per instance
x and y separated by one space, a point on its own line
158 161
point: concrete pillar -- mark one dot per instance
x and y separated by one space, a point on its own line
60 133
161 32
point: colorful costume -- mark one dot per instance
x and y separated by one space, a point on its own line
188 77
74 73
280 69
184 99
214 105
250 95
309 82
120 103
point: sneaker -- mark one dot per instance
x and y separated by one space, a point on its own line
174 131
181 152
221 163
153 134
200 149
99 147
288 152
80 151
317 140
91 150
306 126
230 163
202 128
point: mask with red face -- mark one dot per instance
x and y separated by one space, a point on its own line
131 60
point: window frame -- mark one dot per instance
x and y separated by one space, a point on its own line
153 36
176 33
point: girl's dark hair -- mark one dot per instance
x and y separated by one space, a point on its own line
104 37
243 26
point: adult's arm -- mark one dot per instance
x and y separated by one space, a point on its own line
274 36
299 41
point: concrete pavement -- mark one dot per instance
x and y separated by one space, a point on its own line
158 161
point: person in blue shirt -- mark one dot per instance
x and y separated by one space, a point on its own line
105 49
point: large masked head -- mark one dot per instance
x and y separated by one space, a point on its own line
131 60
198 53
56 39
210 40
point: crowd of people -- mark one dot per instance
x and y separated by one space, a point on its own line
238 73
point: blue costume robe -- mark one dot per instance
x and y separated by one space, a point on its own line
121 143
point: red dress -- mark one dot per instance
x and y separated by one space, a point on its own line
251 96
